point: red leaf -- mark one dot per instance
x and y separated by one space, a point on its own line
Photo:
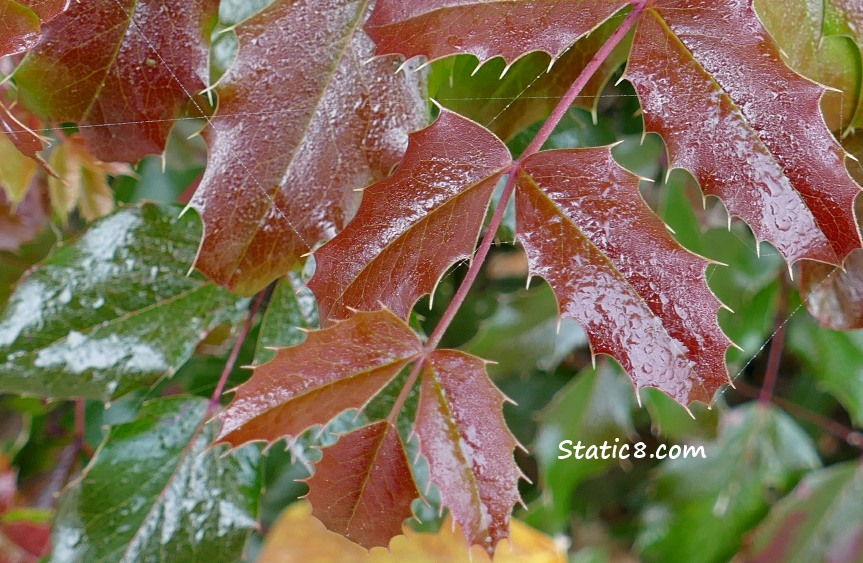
713 84
363 487
273 189
122 69
333 370
413 225
20 22
437 28
469 448
23 137
641 297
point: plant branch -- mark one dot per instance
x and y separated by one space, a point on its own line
215 400
771 373
849 435
406 389
581 81
536 144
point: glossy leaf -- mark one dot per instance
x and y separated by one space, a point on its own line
121 69
821 520
334 370
834 296
437 28
20 22
363 487
298 536
468 445
711 82
113 311
157 491
413 225
641 297
81 181
747 127
699 507
272 190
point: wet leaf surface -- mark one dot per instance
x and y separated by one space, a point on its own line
746 126
413 225
272 190
121 69
21 22
334 370
642 298
363 487
468 445
506 28
157 491
112 311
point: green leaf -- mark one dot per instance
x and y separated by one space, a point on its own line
699 508
113 311
524 334
671 420
834 358
822 520
291 310
595 407
155 491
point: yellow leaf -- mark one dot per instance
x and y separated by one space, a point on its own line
298 536
81 181
16 171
